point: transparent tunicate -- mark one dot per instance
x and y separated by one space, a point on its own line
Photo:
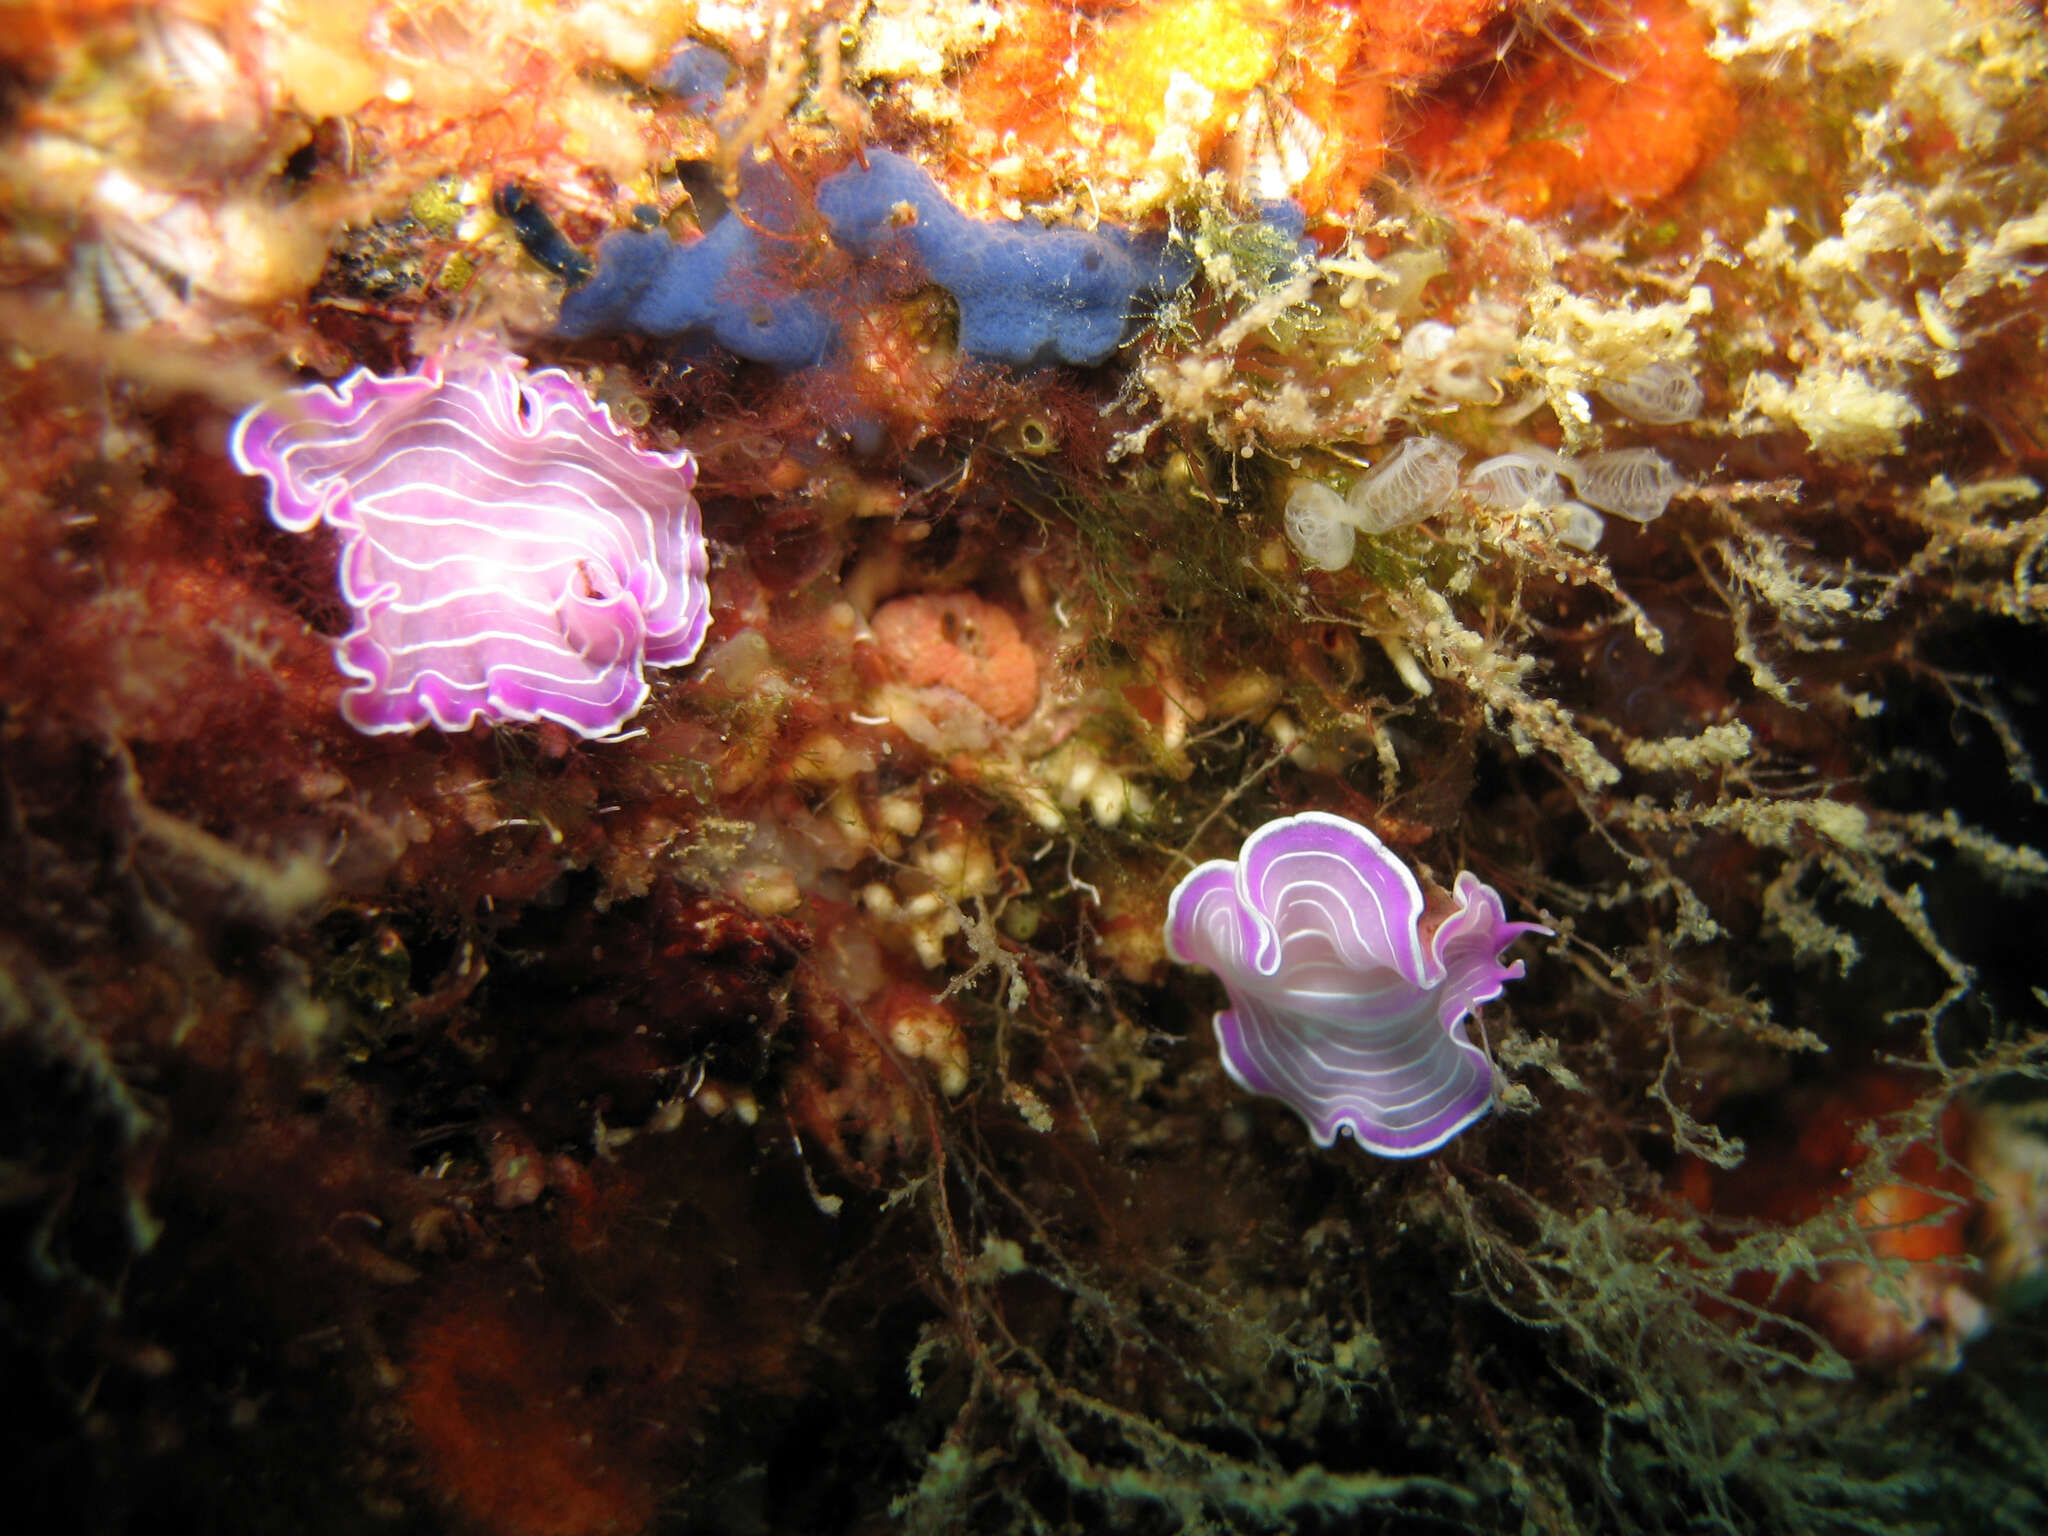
1660 394
1522 479
1420 477
1577 526
1320 526
1635 483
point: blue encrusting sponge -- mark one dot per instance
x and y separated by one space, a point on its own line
1027 294
696 74
720 286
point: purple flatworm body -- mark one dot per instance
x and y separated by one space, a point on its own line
509 552
1338 1003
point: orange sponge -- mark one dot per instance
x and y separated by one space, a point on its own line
956 640
1569 136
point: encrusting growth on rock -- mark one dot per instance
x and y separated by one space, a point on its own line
747 750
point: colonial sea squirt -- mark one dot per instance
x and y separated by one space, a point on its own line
509 552
1339 1005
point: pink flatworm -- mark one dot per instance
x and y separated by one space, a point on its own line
1339 1005
509 552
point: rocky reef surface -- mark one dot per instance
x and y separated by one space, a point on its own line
637 637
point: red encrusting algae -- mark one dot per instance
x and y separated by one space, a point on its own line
509 1431
1913 1300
